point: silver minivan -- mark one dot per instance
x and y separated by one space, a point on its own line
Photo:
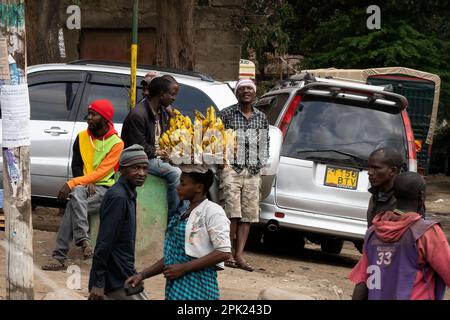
59 97
329 129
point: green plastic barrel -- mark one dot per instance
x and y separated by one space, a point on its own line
151 219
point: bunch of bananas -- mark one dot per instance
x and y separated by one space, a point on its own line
179 127
207 135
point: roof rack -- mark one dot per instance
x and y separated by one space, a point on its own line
294 81
202 76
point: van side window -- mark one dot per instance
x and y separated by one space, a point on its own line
116 89
52 101
110 87
116 94
188 100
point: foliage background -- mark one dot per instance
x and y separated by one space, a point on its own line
413 34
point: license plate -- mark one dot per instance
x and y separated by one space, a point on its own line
341 178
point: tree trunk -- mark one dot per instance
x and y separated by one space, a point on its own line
175 45
43 23
16 166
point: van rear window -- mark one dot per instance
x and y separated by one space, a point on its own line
340 129
272 106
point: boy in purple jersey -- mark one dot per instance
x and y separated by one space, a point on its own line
405 257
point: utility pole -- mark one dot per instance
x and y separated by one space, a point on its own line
15 106
134 49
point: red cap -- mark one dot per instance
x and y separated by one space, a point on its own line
103 108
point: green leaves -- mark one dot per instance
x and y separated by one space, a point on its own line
266 22
416 37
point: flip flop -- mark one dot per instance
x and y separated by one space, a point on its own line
244 266
231 264
88 251
52 266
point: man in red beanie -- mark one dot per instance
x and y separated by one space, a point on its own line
95 160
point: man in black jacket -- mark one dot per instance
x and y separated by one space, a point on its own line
384 166
114 255
145 124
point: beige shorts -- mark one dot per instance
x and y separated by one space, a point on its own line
240 193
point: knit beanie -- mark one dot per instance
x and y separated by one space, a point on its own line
133 155
245 83
103 108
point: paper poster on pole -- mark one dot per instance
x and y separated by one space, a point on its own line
4 64
15 105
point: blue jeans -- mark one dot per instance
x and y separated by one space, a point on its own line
171 174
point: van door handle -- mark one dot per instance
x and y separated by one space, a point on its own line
55 131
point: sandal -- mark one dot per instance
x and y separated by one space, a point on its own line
52 266
88 251
244 265
231 264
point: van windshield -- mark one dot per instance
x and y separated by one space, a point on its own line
343 132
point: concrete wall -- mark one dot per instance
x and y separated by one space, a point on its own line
218 38
106 33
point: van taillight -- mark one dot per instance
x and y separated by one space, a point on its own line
287 118
412 156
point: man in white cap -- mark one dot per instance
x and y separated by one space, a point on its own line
241 182
114 254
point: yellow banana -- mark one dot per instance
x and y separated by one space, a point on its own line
199 115
212 114
181 133
165 139
187 122
219 124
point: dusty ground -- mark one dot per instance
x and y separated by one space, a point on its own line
284 267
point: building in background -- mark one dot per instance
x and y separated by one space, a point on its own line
205 35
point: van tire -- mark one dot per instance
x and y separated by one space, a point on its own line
332 246
359 246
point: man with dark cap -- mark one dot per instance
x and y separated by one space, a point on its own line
114 255
405 257
95 158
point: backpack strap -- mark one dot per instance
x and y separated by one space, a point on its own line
418 229
421 226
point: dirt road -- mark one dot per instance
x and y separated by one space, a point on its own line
285 267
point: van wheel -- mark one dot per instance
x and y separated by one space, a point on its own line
333 246
359 246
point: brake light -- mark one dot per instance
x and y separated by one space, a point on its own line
412 156
279 215
287 118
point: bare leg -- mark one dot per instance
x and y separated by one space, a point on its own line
233 236
242 235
